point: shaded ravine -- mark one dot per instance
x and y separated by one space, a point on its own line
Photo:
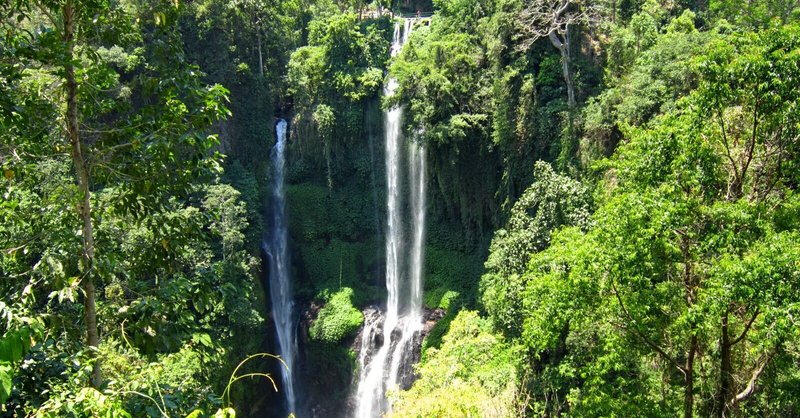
276 248
382 369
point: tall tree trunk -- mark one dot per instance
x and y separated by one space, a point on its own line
724 390
566 66
690 287
688 396
82 177
613 11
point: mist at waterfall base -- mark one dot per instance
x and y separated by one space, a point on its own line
275 248
388 367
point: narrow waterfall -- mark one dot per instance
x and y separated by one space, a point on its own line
279 279
413 320
417 158
381 370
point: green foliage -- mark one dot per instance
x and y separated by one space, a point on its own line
450 277
172 386
681 267
434 62
335 367
214 268
245 182
685 23
551 202
353 54
87 402
473 373
644 82
686 273
334 236
644 30
442 79
169 260
338 319
487 106
227 217
339 264
18 338
331 79
145 305
758 14
440 297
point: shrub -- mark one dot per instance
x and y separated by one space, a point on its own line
337 319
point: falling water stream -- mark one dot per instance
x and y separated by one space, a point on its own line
279 281
381 370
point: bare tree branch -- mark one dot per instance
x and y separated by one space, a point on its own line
641 335
553 19
750 389
746 329
47 14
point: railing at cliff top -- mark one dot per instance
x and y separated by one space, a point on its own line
421 15
373 14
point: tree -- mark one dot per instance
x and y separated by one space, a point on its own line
749 85
554 19
689 268
121 122
553 201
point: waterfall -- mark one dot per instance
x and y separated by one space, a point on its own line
403 319
413 320
417 158
279 280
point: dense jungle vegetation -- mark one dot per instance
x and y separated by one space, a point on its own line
613 220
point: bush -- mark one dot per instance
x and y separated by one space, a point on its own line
338 319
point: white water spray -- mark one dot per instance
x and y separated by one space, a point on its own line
279 280
403 318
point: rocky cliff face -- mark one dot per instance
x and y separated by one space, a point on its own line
328 375
370 338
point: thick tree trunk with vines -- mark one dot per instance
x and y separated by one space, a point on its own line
82 177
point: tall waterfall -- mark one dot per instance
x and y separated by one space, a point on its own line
403 318
279 280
